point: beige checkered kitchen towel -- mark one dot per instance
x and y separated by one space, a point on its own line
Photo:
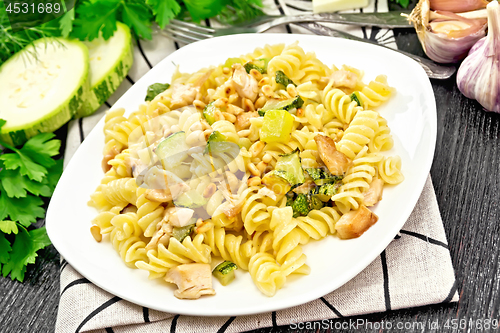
414 270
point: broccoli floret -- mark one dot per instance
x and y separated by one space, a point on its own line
302 204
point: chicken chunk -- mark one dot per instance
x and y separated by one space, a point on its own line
192 280
179 217
354 223
158 195
374 193
245 84
161 236
183 95
344 79
336 162
243 120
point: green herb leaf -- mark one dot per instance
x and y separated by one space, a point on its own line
41 148
403 3
66 22
25 210
155 89
8 227
202 9
53 175
24 252
5 249
16 185
13 161
94 17
138 17
164 10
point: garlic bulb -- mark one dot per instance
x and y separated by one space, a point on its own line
479 75
446 37
457 6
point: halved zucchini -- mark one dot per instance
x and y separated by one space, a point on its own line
110 61
42 87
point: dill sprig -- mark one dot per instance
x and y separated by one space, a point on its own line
12 42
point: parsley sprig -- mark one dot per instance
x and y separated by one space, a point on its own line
100 16
26 174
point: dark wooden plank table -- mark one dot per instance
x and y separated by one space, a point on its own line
466 175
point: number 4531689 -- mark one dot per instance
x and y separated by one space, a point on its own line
40 8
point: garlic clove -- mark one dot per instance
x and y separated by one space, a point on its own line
457 6
479 74
448 38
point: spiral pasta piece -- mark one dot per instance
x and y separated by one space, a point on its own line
359 133
177 253
229 247
266 273
120 192
149 213
390 170
338 104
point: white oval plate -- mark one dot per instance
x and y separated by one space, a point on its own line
411 115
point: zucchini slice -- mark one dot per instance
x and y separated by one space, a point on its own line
286 104
356 97
209 112
191 199
282 79
287 173
224 272
320 176
180 233
42 87
110 61
291 166
172 150
259 65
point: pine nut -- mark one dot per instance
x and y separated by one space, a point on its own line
267 158
95 230
229 117
253 169
254 181
262 166
209 190
199 104
256 148
260 102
